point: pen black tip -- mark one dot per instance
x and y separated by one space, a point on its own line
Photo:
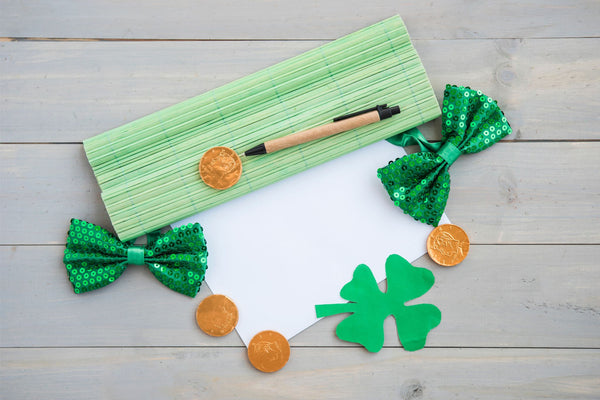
256 150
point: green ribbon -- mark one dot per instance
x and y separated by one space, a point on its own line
420 183
95 258
135 255
449 153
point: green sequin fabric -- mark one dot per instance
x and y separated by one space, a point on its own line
420 183
94 257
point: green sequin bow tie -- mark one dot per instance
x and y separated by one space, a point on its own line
419 183
94 257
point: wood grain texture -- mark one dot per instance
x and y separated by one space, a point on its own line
511 193
225 373
70 91
500 296
520 316
305 19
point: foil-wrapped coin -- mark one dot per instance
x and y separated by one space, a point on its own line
217 315
220 167
448 245
268 351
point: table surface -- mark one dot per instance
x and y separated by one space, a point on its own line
521 315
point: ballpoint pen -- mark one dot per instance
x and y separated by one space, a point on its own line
339 125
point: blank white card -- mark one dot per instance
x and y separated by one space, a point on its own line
278 251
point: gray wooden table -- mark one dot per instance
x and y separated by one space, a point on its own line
521 315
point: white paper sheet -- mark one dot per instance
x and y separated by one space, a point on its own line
278 251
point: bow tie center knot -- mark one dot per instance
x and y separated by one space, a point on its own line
135 255
449 152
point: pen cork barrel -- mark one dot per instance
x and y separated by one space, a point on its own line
320 132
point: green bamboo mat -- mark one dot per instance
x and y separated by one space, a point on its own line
148 169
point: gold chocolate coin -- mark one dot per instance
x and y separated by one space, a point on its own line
217 315
268 351
448 245
220 167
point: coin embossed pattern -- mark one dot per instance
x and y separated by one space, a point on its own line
448 245
220 167
217 315
268 351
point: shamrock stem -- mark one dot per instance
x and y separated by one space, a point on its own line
325 310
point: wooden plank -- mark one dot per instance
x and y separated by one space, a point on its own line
512 193
225 373
69 91
45 186
500 296
263 19
527 193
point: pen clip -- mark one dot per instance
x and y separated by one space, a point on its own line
354 114
383 110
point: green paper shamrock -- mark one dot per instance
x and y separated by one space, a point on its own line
370 307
